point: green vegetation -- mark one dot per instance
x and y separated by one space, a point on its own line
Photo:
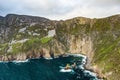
34 43
101 25
16 48
3 48
31 44
45 40
105 33
107 54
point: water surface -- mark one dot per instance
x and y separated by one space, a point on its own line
43 69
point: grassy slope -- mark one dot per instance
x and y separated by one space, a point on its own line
107 47
105 33
31 44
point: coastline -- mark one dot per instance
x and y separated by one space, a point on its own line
94 69
85 64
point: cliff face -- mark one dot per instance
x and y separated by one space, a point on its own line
23 37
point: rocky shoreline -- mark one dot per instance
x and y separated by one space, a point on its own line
94 69
24 57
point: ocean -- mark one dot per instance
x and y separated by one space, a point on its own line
46 69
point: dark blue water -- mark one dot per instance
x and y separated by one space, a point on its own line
43 69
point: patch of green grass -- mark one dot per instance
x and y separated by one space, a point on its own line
35 43
45 40
31 44
101 25
105 48
3 48
16 48
21 35
107 53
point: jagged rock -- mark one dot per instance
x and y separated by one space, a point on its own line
46 52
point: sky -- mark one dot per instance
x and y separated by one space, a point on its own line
61 9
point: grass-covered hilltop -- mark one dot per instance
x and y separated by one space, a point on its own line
23 37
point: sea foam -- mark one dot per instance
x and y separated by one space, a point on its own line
19 61
68 70
79 55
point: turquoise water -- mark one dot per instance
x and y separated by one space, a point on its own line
43 69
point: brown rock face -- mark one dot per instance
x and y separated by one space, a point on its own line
46 53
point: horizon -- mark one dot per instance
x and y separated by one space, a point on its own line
59 9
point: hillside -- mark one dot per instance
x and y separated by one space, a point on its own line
23 37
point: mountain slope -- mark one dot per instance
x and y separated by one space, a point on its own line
23 37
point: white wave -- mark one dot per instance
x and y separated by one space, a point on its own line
79 55
56 56
81 67
68 70
91 73
15 61
61 67
48 58
4 61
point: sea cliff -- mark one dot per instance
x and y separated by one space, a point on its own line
23 37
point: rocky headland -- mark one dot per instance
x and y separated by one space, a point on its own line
23 37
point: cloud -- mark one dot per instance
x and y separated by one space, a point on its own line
47 7
61 9
105 3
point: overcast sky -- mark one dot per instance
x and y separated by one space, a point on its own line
61 9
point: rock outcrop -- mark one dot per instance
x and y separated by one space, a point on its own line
23 37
